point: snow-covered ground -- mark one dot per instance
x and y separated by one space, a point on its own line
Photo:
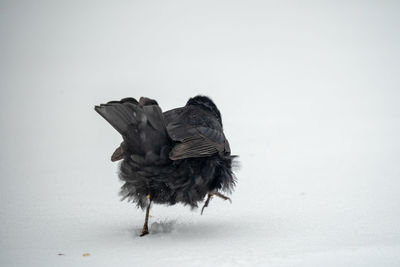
309 95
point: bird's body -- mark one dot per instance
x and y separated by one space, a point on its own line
178 156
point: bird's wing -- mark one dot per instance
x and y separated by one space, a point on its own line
195 140
171 115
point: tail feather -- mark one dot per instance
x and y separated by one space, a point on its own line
119 115
140 123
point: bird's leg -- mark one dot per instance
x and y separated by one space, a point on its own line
145 229
206 203
210 195
222 196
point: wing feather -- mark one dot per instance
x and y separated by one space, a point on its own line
198 139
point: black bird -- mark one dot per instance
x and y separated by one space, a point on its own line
181 155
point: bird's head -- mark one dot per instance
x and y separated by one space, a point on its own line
205 103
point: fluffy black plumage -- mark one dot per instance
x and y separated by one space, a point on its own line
177 156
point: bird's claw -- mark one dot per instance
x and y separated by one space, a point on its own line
144 232
210 195
202 209
206 203
222 196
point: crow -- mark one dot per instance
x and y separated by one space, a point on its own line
179 156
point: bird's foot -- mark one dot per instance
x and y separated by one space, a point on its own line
210 195
206 203
145 229
222 196
144 232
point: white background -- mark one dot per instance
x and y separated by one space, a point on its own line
309 95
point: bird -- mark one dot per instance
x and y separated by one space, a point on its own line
177 156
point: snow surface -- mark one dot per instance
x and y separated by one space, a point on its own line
309 94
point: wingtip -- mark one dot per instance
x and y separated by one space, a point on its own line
97 108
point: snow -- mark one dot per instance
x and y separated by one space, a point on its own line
309 99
